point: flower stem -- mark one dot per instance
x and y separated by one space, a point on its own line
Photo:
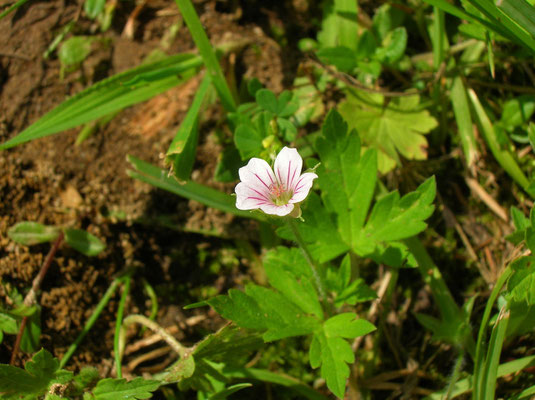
308 256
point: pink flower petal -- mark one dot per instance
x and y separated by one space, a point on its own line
302 187
288 165
257 174
281 211
248 198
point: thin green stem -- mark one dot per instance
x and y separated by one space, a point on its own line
153 301
308 256
479 365
90 322
12 8
118 324
153 326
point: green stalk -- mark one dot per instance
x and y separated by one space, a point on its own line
207 53
12 8
118 324
308 256
479 365
153 301
493 355
90 322
503 156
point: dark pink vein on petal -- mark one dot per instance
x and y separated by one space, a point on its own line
270 178
260 201
258 193
260 179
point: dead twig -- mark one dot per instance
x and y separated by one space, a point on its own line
487 199
31 297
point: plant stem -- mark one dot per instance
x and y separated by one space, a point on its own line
308 256
141 319
31 297
118 323
90 322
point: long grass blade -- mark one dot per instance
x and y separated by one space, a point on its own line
112 94
12 8
461 111
465 385
181 152
503 156
493 355
479 364
191 190
207 53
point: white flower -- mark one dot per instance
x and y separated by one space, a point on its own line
274 193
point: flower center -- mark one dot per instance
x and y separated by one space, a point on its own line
279 195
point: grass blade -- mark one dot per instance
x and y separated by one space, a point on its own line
181 152
513 31
493 354
110 95
465 385
479 365
207 53
521 12
461 110
12 8
504 157
191 190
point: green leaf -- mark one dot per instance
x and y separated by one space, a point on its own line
83 241
393 46
521 284
31 338
288 272
333 354
29 233
386 19
394 218
318 230
94 7
110 95
341 57
355 292
339 25
347 325
310 102
284 106
8 324
74 50
38 374
228 346
393 127
248 141
120 389
347 180
517 112
264 310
